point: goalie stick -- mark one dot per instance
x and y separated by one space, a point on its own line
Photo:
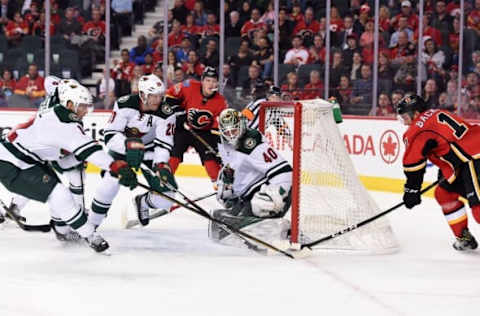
17 219
200 211
135 222
364 222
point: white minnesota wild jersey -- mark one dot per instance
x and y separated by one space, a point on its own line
155 129
49 136
254 164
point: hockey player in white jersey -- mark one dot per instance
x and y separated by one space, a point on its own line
140 131
25 151
254 184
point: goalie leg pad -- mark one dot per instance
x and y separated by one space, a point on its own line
272 201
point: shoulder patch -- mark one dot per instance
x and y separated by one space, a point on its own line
65 115
166 109
249 141
129 101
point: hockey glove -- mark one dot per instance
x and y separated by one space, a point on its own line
165 174
124 173
411 197
227 175
154 182
134 151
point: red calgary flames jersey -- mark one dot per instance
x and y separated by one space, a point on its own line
443 138
202 112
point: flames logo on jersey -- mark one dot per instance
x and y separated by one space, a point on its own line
199 119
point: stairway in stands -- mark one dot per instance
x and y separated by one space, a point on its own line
127 42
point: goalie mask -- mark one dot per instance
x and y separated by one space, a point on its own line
232 125
79 96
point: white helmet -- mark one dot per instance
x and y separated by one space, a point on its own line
50 84
77 94
150 84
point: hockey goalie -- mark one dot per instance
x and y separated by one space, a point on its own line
254 185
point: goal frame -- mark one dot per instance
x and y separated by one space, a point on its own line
296 157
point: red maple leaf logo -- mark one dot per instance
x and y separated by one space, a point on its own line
389 147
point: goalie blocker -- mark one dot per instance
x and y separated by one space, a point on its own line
253 186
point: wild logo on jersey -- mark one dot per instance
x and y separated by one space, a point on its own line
199 119
133 132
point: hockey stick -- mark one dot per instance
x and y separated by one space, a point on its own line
135 222
200 211
364 222
201 140
29 228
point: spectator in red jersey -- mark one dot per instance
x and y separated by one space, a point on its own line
292 86
384 19
158 52
343 93
31 86
192 68
149 65
385 107
404 51
95 31
336 20
307 27
190 4
296 16
297 55
190 28
407 12
366 39
211 28
428 30
313 89
402 27
16 29
199 13
39 26
473 19
176 36
122 73
253 24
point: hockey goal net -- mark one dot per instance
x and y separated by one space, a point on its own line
327 195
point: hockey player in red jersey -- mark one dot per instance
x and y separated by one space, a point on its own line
202 104
450 143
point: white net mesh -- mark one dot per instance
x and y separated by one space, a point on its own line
331 195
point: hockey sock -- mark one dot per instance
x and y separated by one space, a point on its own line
174 162
212 168
476 213
453 209
76 186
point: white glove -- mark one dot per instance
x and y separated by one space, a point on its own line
224 193
269 201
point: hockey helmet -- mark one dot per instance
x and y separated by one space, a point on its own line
50 84
77 94
274 90
210 72
411 104
150 84
232 125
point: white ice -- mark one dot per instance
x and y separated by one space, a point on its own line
172 268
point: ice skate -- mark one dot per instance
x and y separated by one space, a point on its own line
466 242
142 210
69 235
96 242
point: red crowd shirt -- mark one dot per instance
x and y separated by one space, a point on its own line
174 39
473 20
190 94
313 91
123 70
432 32
12 28
412 21
209 30
10 84
25 82
251 26
454 140
94 29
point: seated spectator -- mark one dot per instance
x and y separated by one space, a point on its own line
158 51
292 86
385 107
7 11
7 86
473 19
307 27
285 28
336 20
137 73
471 110
359 24
122 73
210 58
402 27
15 29
179 11
229 80
179 76
253 76
384 19
408 13
350 50
31 86
313 89
69 27
430 93
199 13
432 60
428 30
471 82
137 54
182 52
366 39
340 37
264 57
385 72
404 51
172 64
343 93
297 55
337 68
122 14
452 94
190 29
245 12
38 28
406 76
233 27
397 95
253 24
95 33
442 21
244 56
362 87
475 61
355 71
176 36
269 16
211 28
193 68
444 104
296 15
149 65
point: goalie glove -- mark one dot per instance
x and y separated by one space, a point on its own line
134 151
225 187
121 170
165 174
269 202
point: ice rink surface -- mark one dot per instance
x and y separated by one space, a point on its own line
172 268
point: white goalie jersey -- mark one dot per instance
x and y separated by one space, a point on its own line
254 164
155 129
